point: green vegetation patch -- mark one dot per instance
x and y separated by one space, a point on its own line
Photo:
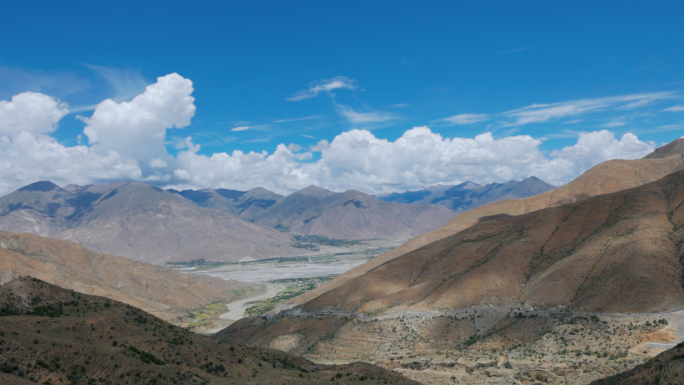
302 285
146 357
207 313
311 242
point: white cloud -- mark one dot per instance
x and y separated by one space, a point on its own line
125 82
322 145
326 85
674 109
158 163
127 142
464 118
615 122
357 159
593 148
240 128
364 117
137 129
539 113
299 119
30 112
27 158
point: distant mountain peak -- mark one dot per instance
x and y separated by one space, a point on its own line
42 186
315 191
675 147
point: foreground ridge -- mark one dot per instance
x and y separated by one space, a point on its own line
56 336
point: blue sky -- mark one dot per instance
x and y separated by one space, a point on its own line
505 89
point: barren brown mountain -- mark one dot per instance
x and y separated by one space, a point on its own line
157 290
616 252
351 215
607 177
50 335
242 204
468 195
138 221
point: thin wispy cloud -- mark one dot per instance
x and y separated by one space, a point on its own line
617 122
660 129
464 119
674 109
310 117
126 83
326 85
60 84
246 127
517 50
364 117
540 113
258 140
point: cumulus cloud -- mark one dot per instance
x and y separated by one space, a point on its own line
28 153
127 143
137 129
357 159
326 85
464 118
30 112
591 148
27 158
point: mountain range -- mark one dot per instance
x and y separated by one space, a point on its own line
242 204
350 215
138 221
468 195
149 224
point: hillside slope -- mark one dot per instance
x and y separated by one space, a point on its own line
665 368
158 290
58 336
618 252
604 178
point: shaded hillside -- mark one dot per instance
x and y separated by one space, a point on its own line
161 291
607 177
468 195
54 336
243 204
350 215
139 222
618 252
665 368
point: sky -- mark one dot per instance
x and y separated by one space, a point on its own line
377 96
